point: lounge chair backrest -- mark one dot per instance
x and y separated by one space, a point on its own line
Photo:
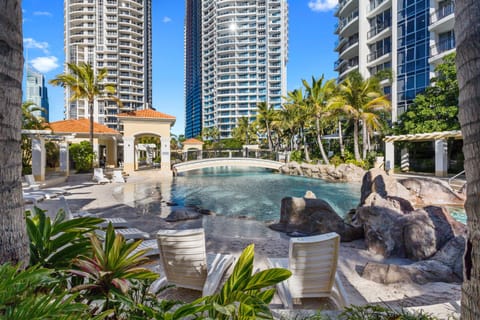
30 179
313 262
117 176
53 205
183 257
98 172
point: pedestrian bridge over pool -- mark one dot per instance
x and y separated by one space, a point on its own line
224 162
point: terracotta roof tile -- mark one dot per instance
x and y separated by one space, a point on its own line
192 141
79 126
146 113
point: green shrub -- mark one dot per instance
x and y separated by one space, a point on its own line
374 312
336 160
296 155
82 155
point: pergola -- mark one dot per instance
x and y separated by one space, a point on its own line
440 138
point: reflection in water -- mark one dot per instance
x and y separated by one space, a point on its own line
254 193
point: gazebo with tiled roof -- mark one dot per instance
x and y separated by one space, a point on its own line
105 139
146 122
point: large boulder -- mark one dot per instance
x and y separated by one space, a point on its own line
180 214
377 181
309 216
428 191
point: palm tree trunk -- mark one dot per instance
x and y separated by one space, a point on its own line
13 233
340 139
319 141
90 110
269 136
467 32
305 145
364 140
355 140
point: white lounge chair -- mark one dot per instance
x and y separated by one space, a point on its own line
313 263
184 260
31 184
32 198
99 177
127 233
118 177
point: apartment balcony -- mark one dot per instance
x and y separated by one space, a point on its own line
377 30
379 56
340 42
378 6
347 23
350 49
344 6
443 19
441 49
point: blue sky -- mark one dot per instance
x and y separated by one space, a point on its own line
310 48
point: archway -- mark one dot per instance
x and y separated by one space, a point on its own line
137 124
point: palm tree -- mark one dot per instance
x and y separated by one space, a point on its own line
302 115
363 102
318 95
13 232
240 132
31 122
84 84
467 33
265 117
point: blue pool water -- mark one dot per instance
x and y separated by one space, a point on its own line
255 193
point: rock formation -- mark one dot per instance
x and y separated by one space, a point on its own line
342 173
309 216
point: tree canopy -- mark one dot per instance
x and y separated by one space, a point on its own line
437 108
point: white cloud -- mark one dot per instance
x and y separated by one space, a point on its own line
322 5
42 13
45 64
166 19
30 43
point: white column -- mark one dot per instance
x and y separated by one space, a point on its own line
165 164
128 154
39 158
441 158
64 158
389 157
405 160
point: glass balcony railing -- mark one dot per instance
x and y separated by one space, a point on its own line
442 46
442 12
378 53
378 28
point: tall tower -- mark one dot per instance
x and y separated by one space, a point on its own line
37 92
193 68
116 35
407 37
244 54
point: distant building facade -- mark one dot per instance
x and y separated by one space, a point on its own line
407 37
116 35
36 92
242 61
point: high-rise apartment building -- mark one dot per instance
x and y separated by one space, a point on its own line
116 35
36 92
243 60
408 37
193 68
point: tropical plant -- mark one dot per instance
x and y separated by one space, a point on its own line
301 116
30 122
30 294
241 132
245 295
467 33
265 117
376 312
363 102
13 234
83 83
54 244
210 134
82 156
108 274
52 153
437 108
318 95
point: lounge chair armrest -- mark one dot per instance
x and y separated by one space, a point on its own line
219 266
283 291
157 285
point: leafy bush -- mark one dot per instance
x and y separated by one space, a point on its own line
374 312
336 160
296 156
55 244
82 155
